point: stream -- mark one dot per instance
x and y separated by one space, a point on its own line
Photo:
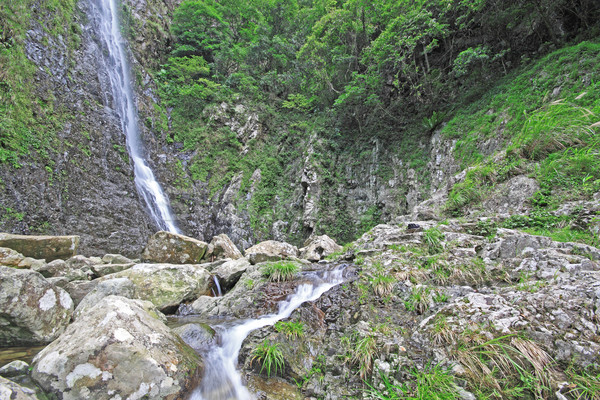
221 379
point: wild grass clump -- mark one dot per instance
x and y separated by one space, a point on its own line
270 357
433 238
506 367
281 271
419 299
291 329
433 382
584 383
365 350
382 284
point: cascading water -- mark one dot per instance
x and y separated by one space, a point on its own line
122 91
221 379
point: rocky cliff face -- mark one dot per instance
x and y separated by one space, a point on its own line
84 185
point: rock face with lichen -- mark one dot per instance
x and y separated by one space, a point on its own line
120 348
172 248
166 285
32 310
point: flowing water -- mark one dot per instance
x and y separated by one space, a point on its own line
221 379
124 104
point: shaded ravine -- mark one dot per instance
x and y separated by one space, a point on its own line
221 379
118 71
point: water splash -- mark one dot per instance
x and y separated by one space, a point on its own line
221 379
122 90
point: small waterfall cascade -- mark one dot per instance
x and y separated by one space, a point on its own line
221 379
219 292
124 103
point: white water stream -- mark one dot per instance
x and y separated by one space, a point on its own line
221 379
124 104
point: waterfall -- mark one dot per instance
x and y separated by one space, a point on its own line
124 103
221 379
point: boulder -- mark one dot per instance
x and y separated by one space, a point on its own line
72 271
270 250
119 349
10 390
79 289
12 258
32 310
116 259
166 285
197 336
222 247
319 247
171 248
229 273
107 269
14 368
117 286
48 248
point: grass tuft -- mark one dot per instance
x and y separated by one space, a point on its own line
281 271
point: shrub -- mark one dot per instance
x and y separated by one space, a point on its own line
432 238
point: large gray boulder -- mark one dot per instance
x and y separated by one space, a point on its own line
166 285
172 248
229 273
10 390
319 247
117 286
79 289
32 310
222 247
48 248
270 250
119 349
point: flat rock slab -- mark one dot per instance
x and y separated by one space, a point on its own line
48 248
32 310
171 248
166 285
270 250
119 349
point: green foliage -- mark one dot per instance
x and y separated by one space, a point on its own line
365 351
281 270
382 284
585 382
270 357
433 240
419 299
291 329
433 382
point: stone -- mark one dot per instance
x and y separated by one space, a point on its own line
48 248
172 248
79 289
166 285
319 247
107 269
197 336
10 257
223 247
14 368
229 273
72 271
117 286
115 259
511 196
32 310
270 250
118 350
10 390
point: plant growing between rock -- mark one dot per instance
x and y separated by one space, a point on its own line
281 271
270 357
291 329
